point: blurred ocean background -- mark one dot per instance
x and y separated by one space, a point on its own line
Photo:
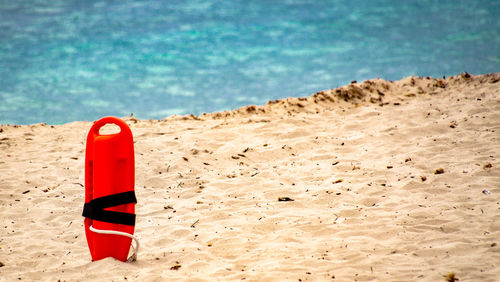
68 60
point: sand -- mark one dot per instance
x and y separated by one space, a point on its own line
390 181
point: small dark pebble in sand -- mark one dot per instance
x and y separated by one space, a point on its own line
176 266
285 199
2 264
26 192
423 178
439 171
493 244
488 166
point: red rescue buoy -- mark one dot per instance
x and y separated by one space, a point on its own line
109 191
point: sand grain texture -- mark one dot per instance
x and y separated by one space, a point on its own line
359 162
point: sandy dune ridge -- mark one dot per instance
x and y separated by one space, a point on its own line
378 181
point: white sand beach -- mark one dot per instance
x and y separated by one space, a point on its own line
390 181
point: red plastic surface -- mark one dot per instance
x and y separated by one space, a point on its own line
109 169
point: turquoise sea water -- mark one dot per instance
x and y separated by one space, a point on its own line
67 60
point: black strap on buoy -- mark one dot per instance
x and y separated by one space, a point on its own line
95 209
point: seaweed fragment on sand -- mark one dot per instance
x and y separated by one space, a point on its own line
450 277
176 266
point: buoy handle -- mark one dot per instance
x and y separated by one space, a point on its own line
124 129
